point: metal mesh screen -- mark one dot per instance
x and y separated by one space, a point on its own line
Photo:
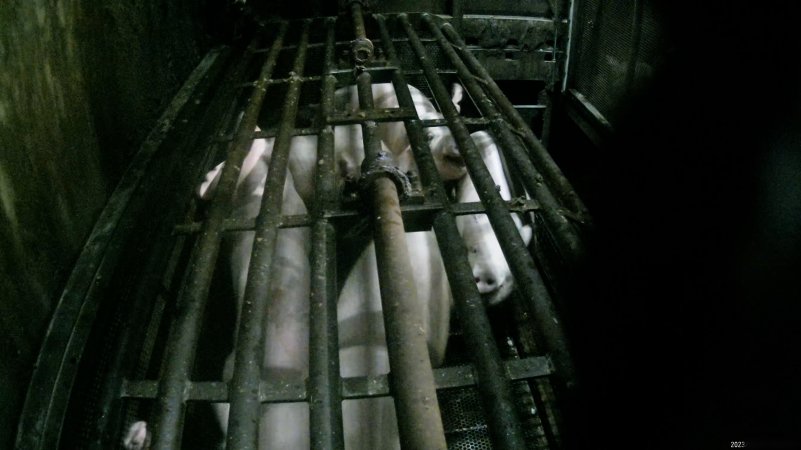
466 427
462 414
617 49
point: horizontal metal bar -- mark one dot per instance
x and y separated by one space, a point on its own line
376 115
517 205
351 387
271 133
338 44
389 67
418 72
380 115
292 47
250 84
218 391
544 20
444 122
530 106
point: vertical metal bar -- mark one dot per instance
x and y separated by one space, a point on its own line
182 342
636 37
413 386
522 265
357 16
325 400
547 120
564 233
551 173
372 145
556 73
361 47
494 388
243 422
556 18
458 14
419 419
572 31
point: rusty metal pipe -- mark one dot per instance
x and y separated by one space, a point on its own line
495 390
243 423
361 47
184 335
325 399
412 381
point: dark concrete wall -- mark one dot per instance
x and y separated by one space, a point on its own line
81 84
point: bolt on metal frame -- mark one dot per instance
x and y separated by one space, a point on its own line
412 384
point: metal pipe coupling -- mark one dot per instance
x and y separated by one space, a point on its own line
383 164
362 50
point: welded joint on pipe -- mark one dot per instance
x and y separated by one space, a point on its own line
383 165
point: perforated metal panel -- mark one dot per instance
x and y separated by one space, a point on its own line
617 50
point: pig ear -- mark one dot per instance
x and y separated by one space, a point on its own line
457 94
525 233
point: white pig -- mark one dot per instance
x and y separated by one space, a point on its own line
443 147
371 423
490 270
282 426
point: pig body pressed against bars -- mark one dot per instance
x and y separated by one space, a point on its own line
282 426
371 423
287 321
490 269
443 147
368 423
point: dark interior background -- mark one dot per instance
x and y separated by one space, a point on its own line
686 337
687 334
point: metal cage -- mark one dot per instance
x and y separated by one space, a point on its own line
125 336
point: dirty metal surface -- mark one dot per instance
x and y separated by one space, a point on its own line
161 368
